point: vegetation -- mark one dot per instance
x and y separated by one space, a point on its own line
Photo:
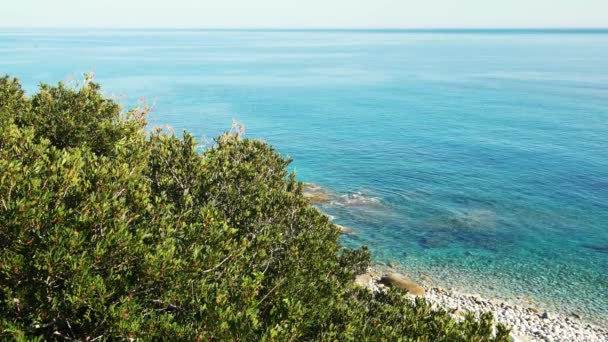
110 232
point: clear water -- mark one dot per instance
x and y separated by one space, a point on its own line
478 160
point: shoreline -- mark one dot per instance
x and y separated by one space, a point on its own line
529 322
526 323
474 284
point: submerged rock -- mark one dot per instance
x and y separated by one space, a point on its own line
344 230
358 199
315 193
474 228
597 248
316 198
435 239
473 220
402 282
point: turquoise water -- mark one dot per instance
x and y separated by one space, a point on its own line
477 160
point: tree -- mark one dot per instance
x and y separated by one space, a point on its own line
109 232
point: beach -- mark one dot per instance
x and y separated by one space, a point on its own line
526 323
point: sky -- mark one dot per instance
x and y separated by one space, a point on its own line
304 13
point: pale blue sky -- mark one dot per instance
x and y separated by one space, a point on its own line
304 13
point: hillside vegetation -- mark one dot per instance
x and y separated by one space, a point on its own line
109 231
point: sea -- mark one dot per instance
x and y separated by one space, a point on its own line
476 160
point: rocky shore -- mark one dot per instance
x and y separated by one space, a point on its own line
527 324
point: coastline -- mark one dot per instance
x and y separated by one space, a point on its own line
526 323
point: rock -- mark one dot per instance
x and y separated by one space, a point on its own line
459 312
315 193
318 198
344 230
364 280
544 315
400 281
515 338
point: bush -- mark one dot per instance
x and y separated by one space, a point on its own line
357 261
108 232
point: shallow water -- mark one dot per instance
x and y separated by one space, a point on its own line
478 159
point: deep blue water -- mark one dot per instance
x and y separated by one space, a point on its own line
477 160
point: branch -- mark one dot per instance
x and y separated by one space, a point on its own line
272 290
218 265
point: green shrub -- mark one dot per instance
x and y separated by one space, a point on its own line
357 261
108 232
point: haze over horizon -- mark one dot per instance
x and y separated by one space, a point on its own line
409 14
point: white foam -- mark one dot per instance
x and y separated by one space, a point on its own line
357 199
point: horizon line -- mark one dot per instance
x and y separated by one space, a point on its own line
195 28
